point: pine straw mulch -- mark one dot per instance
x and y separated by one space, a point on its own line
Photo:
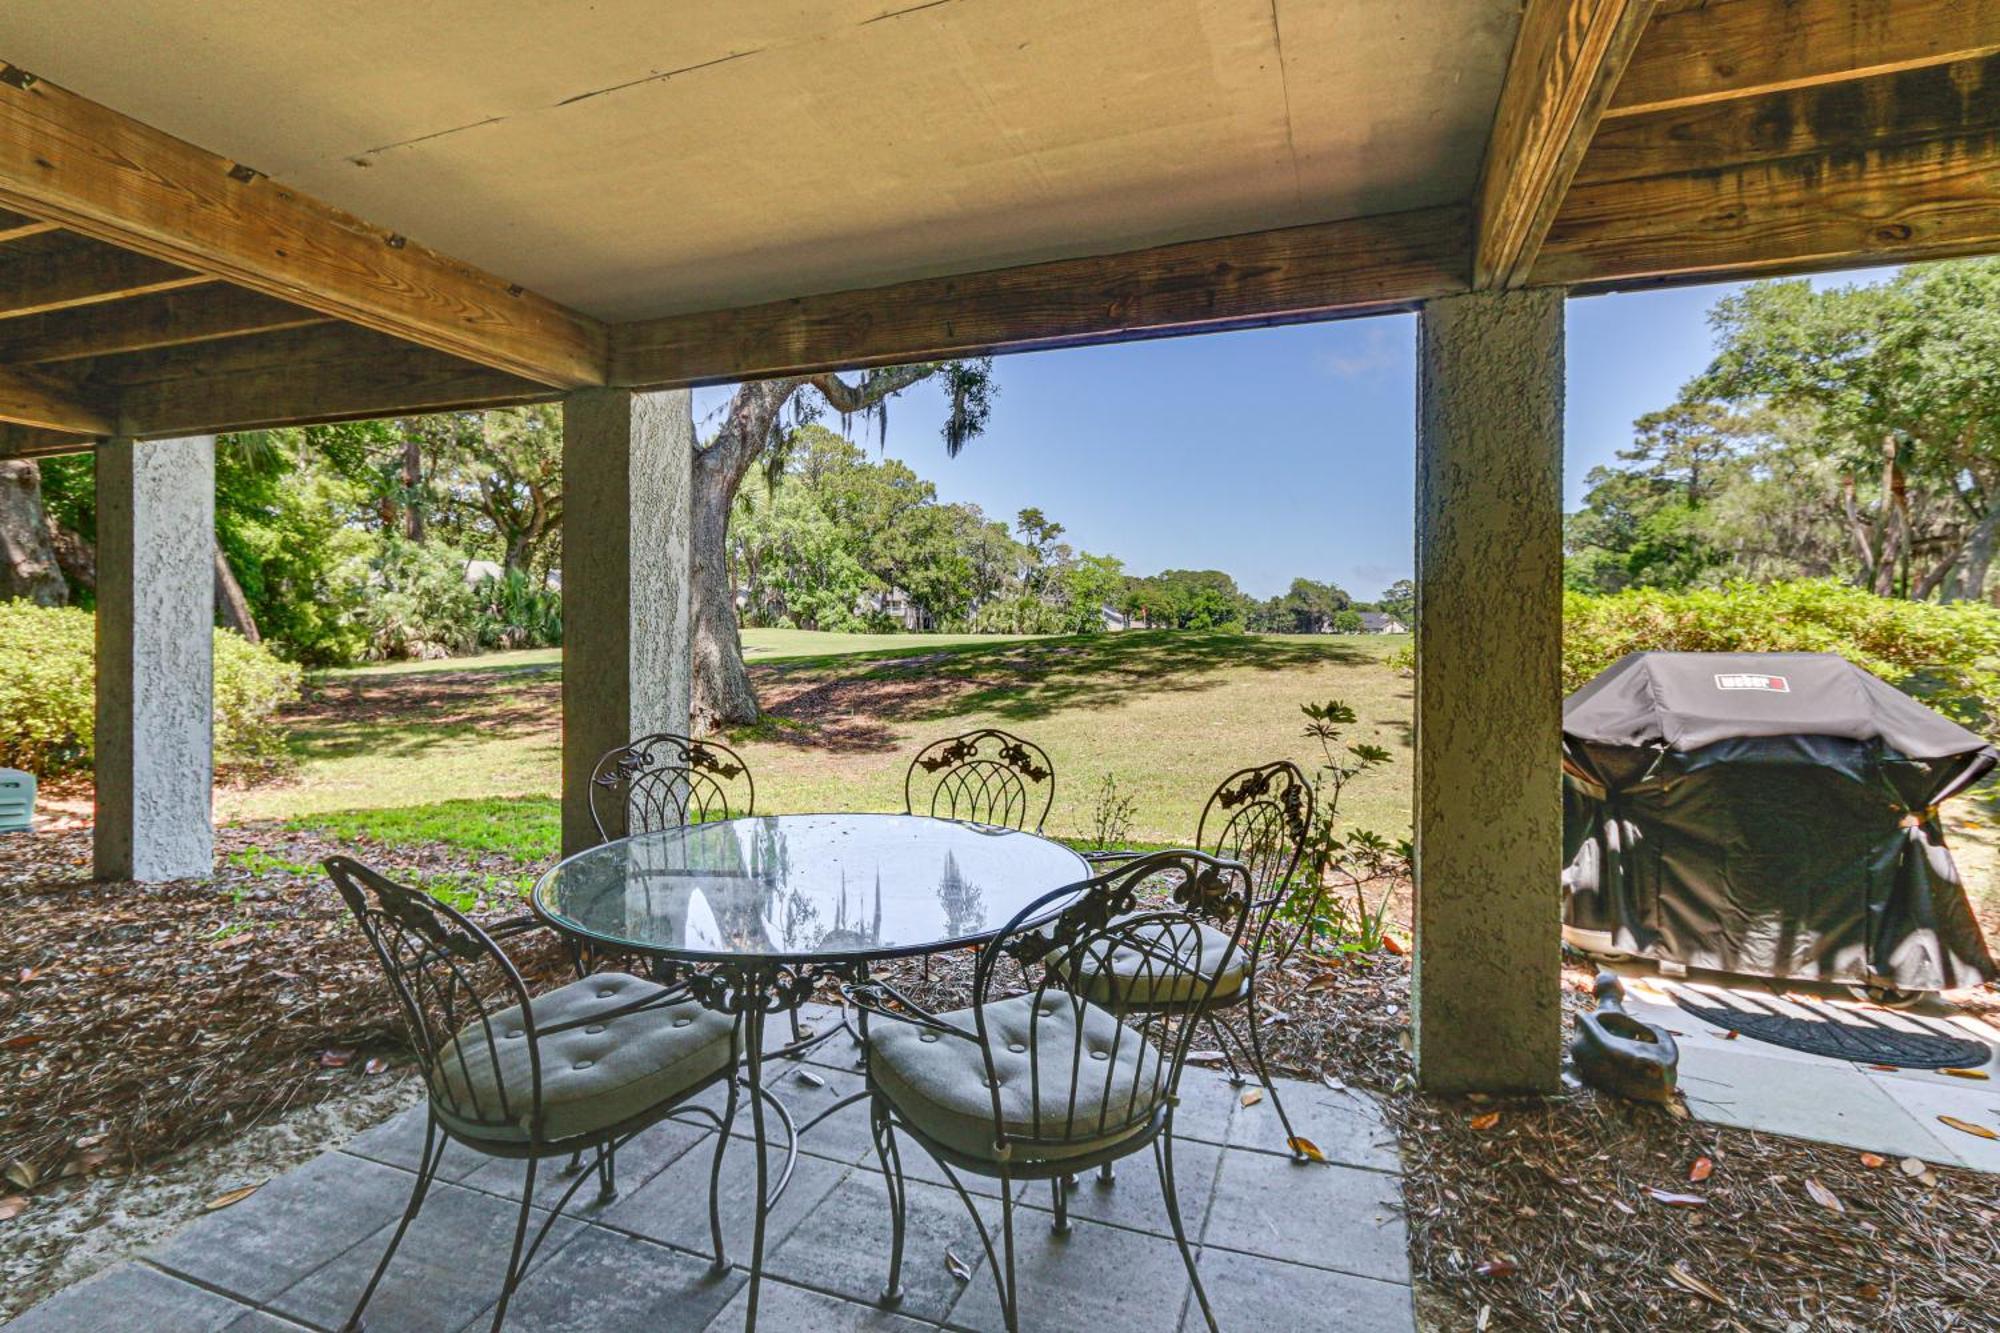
139 1019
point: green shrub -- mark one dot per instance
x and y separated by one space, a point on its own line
419 604
518 612
1948 655
48 707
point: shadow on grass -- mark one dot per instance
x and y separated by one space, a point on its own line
852 703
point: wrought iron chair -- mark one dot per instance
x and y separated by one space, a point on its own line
583 1068
1035 1082
1258 817
665 780
983 777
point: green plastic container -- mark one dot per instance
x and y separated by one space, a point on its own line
17 801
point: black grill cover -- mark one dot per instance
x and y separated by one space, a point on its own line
1768 814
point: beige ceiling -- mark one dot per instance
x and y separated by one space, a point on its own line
642 157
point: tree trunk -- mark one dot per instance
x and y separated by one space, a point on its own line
413 480
230 603
723 695
77 557
1979 556
28 565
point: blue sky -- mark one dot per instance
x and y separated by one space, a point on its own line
1271 453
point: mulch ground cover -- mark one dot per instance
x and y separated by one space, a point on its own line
136 1020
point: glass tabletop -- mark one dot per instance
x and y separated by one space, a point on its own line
804 886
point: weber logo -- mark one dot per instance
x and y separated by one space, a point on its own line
1747 681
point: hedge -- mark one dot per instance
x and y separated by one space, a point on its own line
1946 654
48 708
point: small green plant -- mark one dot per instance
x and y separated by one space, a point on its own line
1344 868
1111 814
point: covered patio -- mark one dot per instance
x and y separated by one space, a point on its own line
1273 1239
221 221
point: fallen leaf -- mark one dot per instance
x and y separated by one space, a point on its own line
1702 1169
1868 1291
1485 1318
221 1201
1979 1074
807 1077
1682 1278
1205 1057
1967 1127
1333 1082
1731 1035
1873 1160
1306 1148
1324 981
12 1207
956 1267
1912 1166
22 1174
1624 1207
1497 1268
376 1065
335 1059
1251 1096
1484 1122
1674 1200
1394 945
1824 1197
1887 1069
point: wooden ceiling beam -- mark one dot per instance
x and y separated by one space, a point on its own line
1327 270
1568 57
33 398
1836 120
34 442
1743 48
19 226
170 319
300 377
1894 202
88 275
94 171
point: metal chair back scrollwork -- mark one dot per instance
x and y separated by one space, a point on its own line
1261 817
667 780
450 978
982 777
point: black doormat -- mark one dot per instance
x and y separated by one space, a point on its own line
1873 1044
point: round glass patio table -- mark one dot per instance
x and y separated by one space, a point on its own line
804 891
755 912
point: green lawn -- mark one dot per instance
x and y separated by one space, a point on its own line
419 752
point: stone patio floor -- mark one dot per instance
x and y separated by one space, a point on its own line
1756 1085
1281 1245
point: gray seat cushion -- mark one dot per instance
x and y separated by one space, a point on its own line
1138 981
594 1076
938 1081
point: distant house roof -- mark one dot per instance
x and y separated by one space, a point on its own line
1381 622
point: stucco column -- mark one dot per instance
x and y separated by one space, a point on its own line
627 628
1489 694
155 649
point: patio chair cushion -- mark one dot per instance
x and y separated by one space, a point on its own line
594 1076
1136 981
938 1081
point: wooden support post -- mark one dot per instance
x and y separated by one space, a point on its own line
1488 810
